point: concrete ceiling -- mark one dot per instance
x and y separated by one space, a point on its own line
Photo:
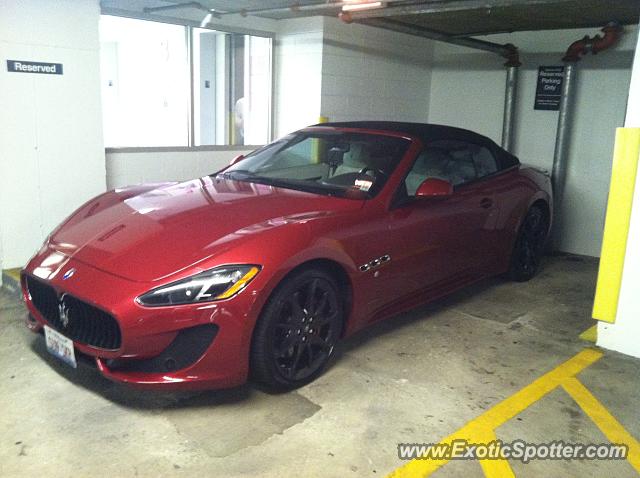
522 16
449 17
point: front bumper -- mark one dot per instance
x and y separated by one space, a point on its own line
200 346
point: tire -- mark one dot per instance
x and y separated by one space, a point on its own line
529 246
297 330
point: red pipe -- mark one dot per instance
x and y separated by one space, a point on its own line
512 55
345 17
612 33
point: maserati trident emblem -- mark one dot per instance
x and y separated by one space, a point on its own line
63 312
69 273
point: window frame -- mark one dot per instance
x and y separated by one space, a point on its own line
400 202
305 134
475 165
190 25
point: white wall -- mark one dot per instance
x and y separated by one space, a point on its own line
127 167
144 83
298 74
205 97
467 90
624 334
374 74
51 148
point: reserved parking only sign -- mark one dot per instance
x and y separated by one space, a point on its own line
21 66
549 88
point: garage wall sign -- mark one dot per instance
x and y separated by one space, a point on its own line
20 66
549 88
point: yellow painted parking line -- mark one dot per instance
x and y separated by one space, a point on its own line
510 407
504 411
606 422
591 334
494 468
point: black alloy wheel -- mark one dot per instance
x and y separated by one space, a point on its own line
297 331
529 246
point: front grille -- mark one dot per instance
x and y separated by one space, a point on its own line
84 323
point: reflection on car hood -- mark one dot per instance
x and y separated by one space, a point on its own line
156 233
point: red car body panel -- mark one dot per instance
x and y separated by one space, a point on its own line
126 242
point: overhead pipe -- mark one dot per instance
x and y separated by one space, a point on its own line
175 6
507 51
421 7
297 8
405 7
300 9
612 33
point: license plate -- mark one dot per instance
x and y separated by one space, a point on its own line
60 346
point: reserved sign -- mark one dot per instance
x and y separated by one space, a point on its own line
20 66
549 88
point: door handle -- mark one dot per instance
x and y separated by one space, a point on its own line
486 203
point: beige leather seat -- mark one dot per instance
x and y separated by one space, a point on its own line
354 160
431 163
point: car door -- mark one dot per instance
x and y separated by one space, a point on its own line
443 241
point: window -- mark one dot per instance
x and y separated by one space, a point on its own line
343 164
448 160
461 168
232 88
175 85
484 160
145 83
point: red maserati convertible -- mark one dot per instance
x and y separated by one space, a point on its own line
259 269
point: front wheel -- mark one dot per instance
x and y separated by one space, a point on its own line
297 331
529 245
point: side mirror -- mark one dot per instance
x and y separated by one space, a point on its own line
238 158
434 187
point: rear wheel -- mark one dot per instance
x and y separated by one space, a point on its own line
529 246
297 331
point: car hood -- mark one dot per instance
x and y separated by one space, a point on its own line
162 231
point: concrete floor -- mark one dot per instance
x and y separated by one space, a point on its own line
415 378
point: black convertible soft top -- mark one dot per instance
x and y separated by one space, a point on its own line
431 132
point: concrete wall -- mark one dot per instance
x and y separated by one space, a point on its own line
467 90
348 72
127 166
298 74
51 147
374 74
624 333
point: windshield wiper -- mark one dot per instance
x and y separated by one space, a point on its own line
246 175
238 174
307 185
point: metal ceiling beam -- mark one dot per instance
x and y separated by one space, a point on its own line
176 6
430 6
505 51
302 9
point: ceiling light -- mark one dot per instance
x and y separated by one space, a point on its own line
352 7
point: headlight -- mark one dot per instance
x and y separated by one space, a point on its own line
215 284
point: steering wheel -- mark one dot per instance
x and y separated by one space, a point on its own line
376 172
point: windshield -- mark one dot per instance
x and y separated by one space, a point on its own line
345 164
